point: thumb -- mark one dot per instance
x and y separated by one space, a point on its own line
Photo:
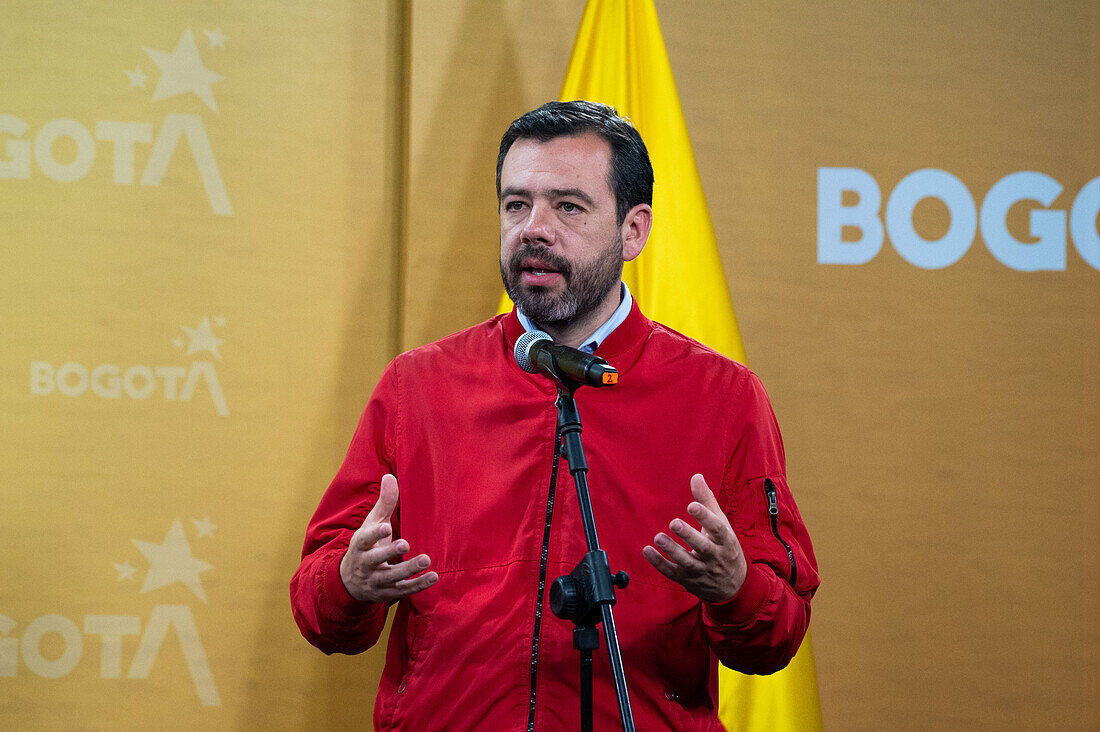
387 499
702 493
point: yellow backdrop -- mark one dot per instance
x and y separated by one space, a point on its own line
219 220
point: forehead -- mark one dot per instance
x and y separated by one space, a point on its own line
579 161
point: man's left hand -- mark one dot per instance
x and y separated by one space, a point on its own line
713 567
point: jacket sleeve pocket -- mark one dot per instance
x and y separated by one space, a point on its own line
771 531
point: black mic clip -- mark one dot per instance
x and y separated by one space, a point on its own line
570 368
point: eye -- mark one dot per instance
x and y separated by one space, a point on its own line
569 207
513 205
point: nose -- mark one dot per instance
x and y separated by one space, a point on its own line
538 228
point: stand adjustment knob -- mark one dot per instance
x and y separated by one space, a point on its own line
565 597
621 579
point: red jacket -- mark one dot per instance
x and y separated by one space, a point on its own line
470 438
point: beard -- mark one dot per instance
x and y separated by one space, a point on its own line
586 286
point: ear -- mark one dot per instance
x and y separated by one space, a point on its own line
635 230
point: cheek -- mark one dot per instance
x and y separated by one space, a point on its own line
509 241
510 232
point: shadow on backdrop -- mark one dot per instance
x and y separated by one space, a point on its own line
453 278
341 689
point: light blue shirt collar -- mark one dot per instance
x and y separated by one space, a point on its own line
592 342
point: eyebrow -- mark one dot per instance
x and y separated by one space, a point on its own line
571 193
552 193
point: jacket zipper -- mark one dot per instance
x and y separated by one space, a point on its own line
542 581
773 510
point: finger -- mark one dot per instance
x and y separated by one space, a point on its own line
660 563
675 552
694 539
391 574
702 493
715 522
368 535
387 500
416 584
385 554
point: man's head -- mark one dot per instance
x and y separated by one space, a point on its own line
572 210
630 174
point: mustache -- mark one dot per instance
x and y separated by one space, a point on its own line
538 251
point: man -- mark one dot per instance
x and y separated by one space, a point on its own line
453 502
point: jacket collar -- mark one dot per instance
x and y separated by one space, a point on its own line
621 348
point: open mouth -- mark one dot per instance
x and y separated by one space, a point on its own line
535 271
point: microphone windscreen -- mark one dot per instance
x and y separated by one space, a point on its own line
523 349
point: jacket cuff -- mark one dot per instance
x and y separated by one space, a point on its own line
337 597
741 609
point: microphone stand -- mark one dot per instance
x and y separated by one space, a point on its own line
587 594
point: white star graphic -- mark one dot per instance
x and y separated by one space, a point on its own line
205 527
181 71
125 571
216 37
203 339
171 561
137 78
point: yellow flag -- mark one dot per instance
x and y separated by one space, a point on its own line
619 58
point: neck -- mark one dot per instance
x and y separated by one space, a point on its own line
568 335
573 333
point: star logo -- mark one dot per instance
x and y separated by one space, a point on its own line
216 37
182 71
205 527
202 338
125 571
171 561
137 78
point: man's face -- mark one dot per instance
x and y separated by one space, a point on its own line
561 248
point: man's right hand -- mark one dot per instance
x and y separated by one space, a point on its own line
372 569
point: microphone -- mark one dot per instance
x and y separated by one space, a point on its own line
536 352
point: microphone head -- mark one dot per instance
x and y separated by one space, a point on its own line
523 349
